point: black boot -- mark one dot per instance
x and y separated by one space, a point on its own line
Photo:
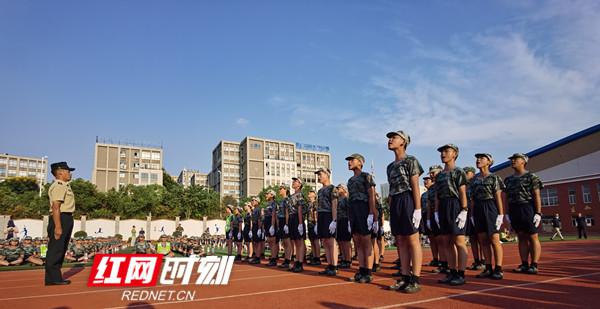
413 286
400 284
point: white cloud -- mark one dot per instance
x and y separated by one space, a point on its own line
242 121
509 86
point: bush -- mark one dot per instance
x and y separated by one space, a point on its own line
80 234
119 236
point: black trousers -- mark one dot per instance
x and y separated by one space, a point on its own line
581 231
58 247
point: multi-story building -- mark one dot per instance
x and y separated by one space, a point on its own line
225 174
264 162
192 177
570 171
118 165
20 166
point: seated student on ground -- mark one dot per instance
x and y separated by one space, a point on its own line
31 252
12 254
142 246
76 251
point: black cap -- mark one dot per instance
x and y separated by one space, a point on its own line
60 165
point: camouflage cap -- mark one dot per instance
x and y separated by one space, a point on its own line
230 207
296 178
163 236
470 169
27 238
441 148
13 239
400 133
343 187
435 168
79 238
256 198
37 239
323 170
89 238
270 191
519 155
284 186
426 177
485 155
356 156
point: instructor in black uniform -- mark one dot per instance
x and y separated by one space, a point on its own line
62 206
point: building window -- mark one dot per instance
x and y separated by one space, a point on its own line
23 164
155 156
122 175
12 173
2 171
146 155
572 196
12 162
549 197
3 160
587 195
22 173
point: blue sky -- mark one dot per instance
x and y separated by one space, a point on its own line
497 77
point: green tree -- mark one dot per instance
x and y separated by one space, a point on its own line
20 185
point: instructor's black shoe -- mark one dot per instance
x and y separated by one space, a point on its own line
356 277
298 267
64 282
446 280
365 279
285 264
272 262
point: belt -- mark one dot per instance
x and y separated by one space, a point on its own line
66 213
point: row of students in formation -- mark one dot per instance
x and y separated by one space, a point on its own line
458 203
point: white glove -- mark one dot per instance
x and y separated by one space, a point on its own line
349 228
272 231
499 221
381 231
259 233
416 219
250 234
375 226
429 224
230 234
461 219
537 219
436 216
507 218
332 227
315 229
472 220
370 222
301 229
239 235
286 229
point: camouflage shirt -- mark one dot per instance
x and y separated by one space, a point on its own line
520 189
197 249
424 207
447 184
379 208
271 207
30 250
485 188
400 172
358 187
326 197
256 215
283 205
77 250
247 219
430 198
342 209
235 222
297 200
142 247
12 254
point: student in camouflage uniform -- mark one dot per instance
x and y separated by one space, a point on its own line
31 252
364 218
377 236
343 232
196 248
524 211
405 210
282 228
236 231
228 231
77 251
269 225
478 262
488 213
142 246
295 224
451 207
311 219
12 254
327 220
433 226
247 232
258 241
